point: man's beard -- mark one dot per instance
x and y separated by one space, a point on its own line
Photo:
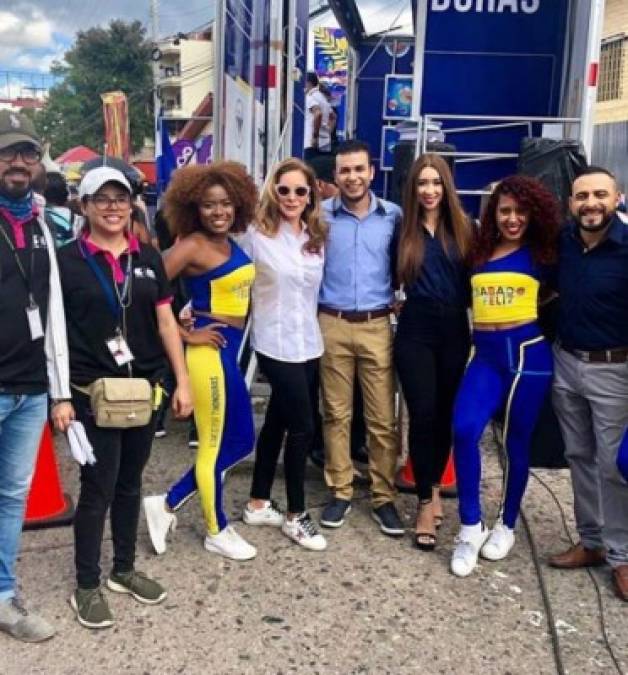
14 192
605 222
351 199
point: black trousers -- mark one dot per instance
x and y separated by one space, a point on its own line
290 410
115 483
431 349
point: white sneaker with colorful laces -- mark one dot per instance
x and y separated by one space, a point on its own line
302 530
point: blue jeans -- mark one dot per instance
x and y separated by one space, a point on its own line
22 420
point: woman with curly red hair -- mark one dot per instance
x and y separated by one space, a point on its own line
511 369
204 205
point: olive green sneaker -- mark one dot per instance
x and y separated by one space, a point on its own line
92 610
138 585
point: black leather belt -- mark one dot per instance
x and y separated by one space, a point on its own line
617 355
354 316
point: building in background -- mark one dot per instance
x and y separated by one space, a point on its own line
185 75
610 144
184 81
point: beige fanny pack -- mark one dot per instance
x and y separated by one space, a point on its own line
120 402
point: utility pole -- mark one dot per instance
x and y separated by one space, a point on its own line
154 22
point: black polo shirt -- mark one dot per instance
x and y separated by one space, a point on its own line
91 322
593 288
22 359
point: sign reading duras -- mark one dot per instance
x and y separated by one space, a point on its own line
497 6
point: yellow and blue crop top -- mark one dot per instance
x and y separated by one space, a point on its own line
506 290
224 290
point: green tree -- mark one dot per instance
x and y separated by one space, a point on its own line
116 58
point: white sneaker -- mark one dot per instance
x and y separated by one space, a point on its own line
159 520
230 544
268 515
468 544
499 542
303 531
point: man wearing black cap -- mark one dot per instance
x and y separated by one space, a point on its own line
33 352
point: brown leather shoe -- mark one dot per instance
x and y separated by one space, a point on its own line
620 581
578 556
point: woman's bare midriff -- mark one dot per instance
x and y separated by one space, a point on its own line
499 326
233 321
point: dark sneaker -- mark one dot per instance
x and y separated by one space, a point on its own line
138 585
160 430
20 624
334 513
388 518
192 436
92 610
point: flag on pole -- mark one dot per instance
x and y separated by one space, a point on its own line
116 114
165 157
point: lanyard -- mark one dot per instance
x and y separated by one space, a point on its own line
117 302
20 267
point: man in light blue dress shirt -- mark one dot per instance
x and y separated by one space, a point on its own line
354 313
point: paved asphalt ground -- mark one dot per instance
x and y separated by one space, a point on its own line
369 604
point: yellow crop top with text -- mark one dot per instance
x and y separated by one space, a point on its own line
506 290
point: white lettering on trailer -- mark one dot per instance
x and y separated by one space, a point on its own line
494 6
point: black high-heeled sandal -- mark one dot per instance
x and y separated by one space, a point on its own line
425 541
438 519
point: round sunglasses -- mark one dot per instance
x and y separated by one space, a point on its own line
299 191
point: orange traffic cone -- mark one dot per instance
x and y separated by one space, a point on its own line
47 505
405 479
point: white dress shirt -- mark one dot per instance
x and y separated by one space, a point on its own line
285 295
316 99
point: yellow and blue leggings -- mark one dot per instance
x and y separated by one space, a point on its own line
510 373
224 420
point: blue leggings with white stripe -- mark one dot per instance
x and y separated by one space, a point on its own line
508 376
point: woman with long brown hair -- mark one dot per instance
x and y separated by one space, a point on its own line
287 245
511 368
432 339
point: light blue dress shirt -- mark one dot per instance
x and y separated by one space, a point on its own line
358 256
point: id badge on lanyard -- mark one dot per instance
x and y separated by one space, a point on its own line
33 316
117 345
119 349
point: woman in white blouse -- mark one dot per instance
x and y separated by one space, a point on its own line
286 243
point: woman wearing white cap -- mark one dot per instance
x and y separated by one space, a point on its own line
120 329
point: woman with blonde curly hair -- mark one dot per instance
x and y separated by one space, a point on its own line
204 206
287 245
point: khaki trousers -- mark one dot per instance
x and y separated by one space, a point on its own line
365 348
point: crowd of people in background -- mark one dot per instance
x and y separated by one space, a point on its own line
323 269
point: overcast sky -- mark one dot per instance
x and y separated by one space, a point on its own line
33 33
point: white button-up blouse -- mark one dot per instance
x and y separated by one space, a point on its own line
285 295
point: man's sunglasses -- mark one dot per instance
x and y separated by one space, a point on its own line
300 191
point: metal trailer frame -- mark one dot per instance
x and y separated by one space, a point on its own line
579 77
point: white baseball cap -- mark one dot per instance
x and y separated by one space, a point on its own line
93 180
